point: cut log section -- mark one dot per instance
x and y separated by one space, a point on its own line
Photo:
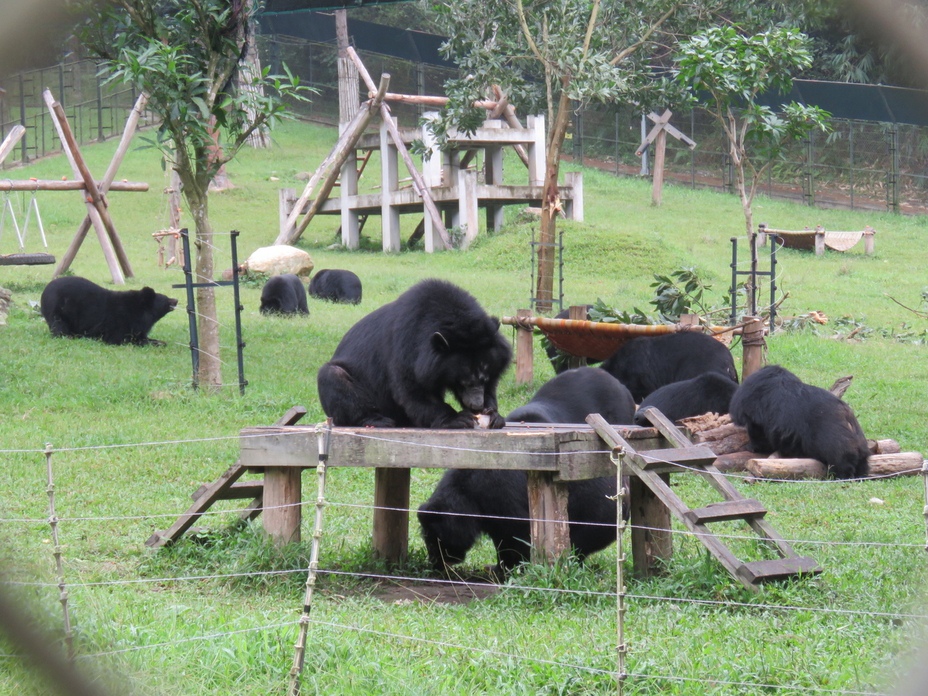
900 464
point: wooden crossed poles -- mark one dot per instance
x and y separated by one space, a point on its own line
94 192
659 132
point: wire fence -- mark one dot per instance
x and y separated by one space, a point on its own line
645 667
862 165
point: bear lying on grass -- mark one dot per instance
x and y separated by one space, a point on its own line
783 414
336 285
78 308
284 294
394 367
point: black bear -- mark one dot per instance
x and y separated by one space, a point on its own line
284 294
394 367
76 307
336 285
709 392
783 414
647 363
572 395
559 359
470 502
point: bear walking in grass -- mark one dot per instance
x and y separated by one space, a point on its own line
710 392
284 294
336 285
646 364
394 367
78 308
470 502
783 414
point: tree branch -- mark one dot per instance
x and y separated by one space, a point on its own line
624 53
526 33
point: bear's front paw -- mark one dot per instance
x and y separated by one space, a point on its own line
493 420
465 420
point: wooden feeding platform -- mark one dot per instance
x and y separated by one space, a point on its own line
550 454
819 238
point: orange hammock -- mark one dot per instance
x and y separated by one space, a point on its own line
598 340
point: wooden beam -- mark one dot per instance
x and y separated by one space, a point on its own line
431 100
9 142
66 185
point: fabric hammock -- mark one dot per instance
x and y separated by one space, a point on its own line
598 340
805 239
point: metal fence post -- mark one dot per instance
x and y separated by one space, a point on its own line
892 188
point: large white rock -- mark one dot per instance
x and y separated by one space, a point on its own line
277 259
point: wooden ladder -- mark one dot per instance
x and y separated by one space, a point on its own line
733 507
226 487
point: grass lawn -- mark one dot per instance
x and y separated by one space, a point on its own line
217 613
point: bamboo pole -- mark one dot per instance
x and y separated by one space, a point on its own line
329 170
66 185
9 142
417 180
428 100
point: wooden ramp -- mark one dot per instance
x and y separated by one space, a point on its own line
226 487
648 466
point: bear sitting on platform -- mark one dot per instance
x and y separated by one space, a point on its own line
709 392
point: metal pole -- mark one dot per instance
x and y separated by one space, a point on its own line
773 281
734 281
56 548
240 344
617 456
753 289
191 309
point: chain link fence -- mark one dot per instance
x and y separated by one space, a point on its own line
860 164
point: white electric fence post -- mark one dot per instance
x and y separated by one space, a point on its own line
617 456
322 433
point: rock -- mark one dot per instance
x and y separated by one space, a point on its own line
277 259
6 299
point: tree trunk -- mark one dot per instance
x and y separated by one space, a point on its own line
550 206
209 374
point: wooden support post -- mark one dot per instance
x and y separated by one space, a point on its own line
524 350
869 233
348 192
657 184
389 179
547 511
652 541
573 207
752 346
282 503
819 240
658 135
576 313
391 514
493 175
468 206
536 151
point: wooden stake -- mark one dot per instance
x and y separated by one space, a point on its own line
524 350
9 142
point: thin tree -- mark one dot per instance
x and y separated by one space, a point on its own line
559 54
726 73
185 54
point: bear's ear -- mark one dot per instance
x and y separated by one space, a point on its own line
440 343
148 294
496 322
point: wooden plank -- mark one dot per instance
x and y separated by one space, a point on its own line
185 521
727 510
67 185
282 503
652 540
694 456
391 514
9 142
778 569
525 355
547 511
237 491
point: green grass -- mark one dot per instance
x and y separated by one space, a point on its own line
217 612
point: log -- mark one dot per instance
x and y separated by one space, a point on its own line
733 461
9 142
428 100
724 439
900 464
883 447
65 185
840 386
786 469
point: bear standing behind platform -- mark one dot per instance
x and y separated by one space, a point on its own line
647 363
78 308
284 294
783 414
470 502
336 285
709 392
394 367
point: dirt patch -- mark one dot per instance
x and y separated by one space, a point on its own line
437 592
